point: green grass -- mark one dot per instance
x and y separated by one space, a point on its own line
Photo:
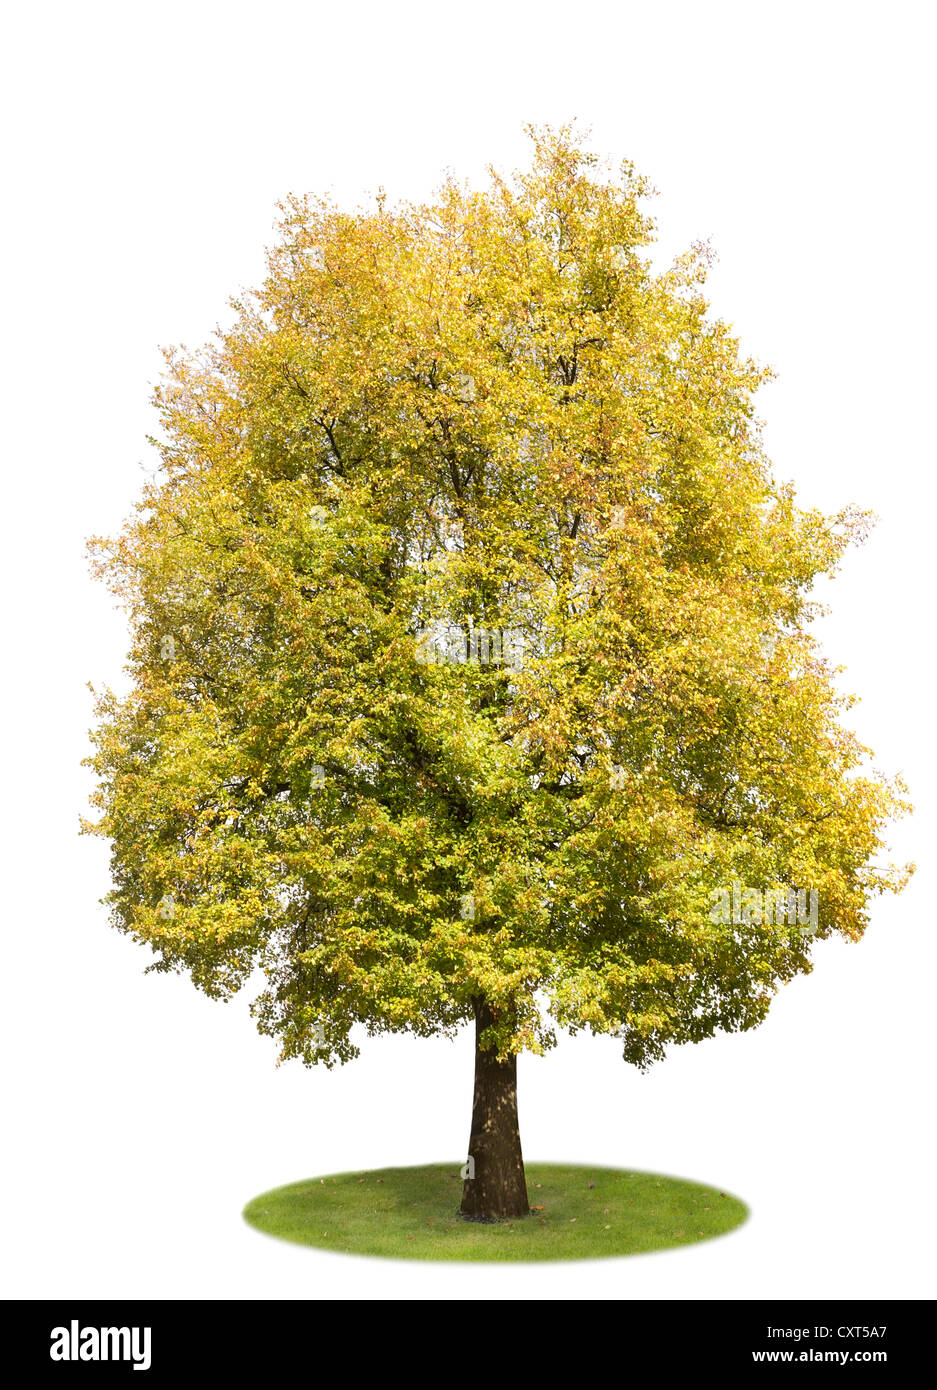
412 1213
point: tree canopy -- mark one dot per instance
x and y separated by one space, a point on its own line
488 419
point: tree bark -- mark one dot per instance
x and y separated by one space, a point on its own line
498 1188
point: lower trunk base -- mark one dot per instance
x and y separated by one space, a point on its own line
495 1186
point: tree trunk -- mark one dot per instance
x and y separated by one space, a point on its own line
498 1188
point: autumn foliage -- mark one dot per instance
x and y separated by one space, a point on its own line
488 413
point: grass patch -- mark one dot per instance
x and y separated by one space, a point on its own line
578 1213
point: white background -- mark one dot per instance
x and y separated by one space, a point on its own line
146 148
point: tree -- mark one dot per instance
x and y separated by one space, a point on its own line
469 667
